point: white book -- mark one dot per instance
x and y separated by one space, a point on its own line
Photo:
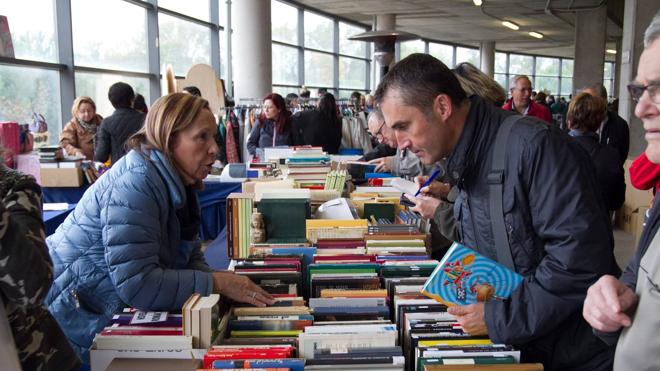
341 342
346 302
405 186
350 329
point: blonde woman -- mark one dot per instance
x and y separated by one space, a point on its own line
79 135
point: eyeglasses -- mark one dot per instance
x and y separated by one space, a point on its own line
379 134
636 91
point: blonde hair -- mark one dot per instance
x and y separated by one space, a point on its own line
586 112
475 82
168 116
78 102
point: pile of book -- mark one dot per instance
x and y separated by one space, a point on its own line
201 319
308 156
279 275
253 356
239 214
336 180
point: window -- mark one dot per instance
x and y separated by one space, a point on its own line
19 99
352 72
500 63
319 32
101 42
567 68
547 75
503 80
566 86
349 47
284 22
285 65
223 55
182 43
194 8
318 69
521 65
608 78
32 32
409 47
444 53
96 86
468 55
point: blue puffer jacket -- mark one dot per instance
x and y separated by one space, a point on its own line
121 247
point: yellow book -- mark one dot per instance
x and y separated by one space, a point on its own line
454 342
334 223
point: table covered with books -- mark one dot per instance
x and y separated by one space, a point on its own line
353 285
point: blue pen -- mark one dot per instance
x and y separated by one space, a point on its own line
434 175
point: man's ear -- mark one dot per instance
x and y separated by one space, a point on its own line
442 106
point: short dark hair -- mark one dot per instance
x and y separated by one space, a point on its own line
193 90
290 98
121 95
586 112
420 78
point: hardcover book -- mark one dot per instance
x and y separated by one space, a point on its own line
464 277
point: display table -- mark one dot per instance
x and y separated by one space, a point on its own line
52 219
211 202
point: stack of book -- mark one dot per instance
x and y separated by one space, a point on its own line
49 156
335 229
336 180
279 275
239 215
253 357
304 173
291 319
408 246
308 156
335 246
201 319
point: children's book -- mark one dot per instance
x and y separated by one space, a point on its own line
464 277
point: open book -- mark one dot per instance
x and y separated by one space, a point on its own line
465 277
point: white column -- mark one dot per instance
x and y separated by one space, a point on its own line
590 33
252 54
487 52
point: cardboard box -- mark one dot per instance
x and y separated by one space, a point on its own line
634 197
69 177
631 220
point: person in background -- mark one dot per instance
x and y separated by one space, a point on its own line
585 113
321 92
523 102
133 238
192 90
625 310
476 82
139 104
369 103
79 135
26 273
273 128
549 101
356 101
304 93
117 128
320 127
613 131
293 102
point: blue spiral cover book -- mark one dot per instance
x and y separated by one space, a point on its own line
465 277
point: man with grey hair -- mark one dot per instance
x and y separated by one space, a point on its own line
626 309
614 129
522 102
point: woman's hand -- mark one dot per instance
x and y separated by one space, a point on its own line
241 289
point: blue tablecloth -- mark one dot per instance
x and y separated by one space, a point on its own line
216 252
53 219
211 201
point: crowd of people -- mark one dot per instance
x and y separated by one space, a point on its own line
132 240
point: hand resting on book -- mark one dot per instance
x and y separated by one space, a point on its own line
241 289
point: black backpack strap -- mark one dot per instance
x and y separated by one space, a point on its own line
496 190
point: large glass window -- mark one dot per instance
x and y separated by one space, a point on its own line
284 22
410 47
468 55
96 85
349 47
319 32
547 75
521 64
608 78
352 72
194 8
32 27
98 41
566 86
567 67
285 65
500 63
182 43
18 98
318 69
444 53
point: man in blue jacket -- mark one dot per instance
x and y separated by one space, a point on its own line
557 227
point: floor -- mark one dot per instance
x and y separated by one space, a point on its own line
623 247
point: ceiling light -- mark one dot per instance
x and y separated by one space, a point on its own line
477 2
610 51
538 35
511 25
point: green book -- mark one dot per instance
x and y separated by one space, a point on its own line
378 210
284 219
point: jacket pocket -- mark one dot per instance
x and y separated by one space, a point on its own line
520 239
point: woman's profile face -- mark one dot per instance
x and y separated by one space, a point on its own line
86 112
270 110
194 149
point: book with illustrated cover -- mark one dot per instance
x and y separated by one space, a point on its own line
464 277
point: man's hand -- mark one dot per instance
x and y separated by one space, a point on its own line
383 164
436 189
240 288
609 304
471 318
424 205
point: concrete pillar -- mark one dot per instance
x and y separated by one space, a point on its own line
253 71
590 33
617 69
637 16
487 51
384 50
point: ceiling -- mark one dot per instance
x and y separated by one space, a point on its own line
461 22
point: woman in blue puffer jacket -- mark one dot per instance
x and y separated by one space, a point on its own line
132 239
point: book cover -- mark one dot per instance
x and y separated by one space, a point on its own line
464 277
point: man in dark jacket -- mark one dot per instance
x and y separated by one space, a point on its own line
557 227
118 127
614 129
626 309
